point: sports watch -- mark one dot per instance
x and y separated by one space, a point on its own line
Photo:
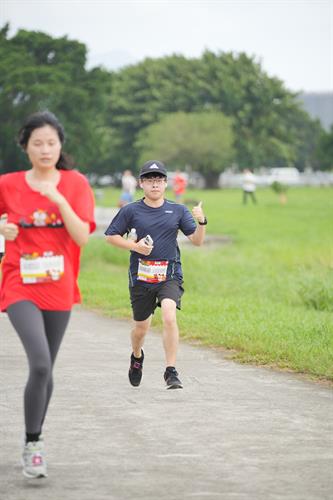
203 223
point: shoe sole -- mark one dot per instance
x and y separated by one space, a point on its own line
134 385
34 476
174 386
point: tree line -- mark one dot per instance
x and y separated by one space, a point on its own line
204 113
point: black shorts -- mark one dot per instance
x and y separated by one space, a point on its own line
145 299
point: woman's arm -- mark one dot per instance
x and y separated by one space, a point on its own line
76 227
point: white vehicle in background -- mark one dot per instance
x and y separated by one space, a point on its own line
285 175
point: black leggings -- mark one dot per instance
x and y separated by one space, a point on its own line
41 333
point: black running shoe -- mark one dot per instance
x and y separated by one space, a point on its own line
171 378
135 371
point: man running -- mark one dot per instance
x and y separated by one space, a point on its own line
155 273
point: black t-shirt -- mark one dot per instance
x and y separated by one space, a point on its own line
162 224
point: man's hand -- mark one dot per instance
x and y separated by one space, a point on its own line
143 248
197 213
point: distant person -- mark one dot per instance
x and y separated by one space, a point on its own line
249 186
128 183
155 273
179 184
50 213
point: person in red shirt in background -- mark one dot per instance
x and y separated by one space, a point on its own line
179 184
50 213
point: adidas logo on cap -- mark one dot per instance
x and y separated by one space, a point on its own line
153 166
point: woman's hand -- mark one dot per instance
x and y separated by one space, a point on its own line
49 190
9 230
77 228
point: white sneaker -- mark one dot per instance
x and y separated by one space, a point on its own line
33 460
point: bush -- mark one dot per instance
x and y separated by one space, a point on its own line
317 292
278 187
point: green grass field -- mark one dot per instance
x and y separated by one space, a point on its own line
267 295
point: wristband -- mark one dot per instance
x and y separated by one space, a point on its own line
203 223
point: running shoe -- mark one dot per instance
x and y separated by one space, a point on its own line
171 378
135 371
33 460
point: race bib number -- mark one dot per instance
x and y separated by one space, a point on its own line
41 269
152 271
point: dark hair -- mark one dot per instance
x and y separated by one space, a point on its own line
38 120
153 175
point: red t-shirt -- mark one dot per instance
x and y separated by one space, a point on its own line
179 184
42 234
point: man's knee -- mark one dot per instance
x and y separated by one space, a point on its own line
141 327
170 320
169 317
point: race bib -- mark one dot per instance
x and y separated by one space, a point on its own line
152 271
41 269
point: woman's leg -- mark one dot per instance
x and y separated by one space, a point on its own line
41 333
28 322
55 326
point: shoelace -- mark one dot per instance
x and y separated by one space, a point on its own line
172 371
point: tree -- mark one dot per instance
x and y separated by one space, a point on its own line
280 189
324 151
202 140
143 93
39 72
269 124
104 112
270 128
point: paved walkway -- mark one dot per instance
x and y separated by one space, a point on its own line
234 432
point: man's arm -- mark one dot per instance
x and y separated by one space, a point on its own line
197 238
136 246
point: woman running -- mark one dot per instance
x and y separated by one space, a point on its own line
50 213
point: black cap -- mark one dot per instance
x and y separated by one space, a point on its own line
153 167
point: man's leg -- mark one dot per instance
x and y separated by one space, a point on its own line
170 331
170 342
142 305
138 335
136 362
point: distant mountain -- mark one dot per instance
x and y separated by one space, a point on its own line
319 105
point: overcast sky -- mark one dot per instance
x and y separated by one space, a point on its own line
293 39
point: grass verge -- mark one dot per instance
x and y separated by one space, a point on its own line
266 296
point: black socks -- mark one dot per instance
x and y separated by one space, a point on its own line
138 359
32 437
